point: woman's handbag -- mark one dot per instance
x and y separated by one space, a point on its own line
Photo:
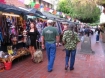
38 55
28 41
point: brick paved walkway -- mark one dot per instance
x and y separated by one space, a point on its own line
86 66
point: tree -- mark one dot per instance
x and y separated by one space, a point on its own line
100 2
84 10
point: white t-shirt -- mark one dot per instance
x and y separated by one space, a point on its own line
102 18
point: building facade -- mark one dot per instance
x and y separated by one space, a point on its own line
52 4
16 3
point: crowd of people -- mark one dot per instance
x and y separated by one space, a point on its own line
49 38
86 30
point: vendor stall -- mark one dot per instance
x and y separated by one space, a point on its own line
12 25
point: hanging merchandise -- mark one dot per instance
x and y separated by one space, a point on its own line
13 30
61 13
51 11
10 51
45 9
37 6
54 12
32 4
1 37
58 13
41 8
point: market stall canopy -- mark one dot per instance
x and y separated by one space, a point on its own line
3 6
12 9
50 16
34 12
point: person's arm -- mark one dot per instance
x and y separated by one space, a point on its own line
57 37
95 29
101 31
38 35
77 38
64 38
42 39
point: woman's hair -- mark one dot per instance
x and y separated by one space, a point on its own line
34 25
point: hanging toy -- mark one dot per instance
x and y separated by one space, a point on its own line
25 35
13 31
9 49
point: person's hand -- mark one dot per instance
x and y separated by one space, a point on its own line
43 46
57 44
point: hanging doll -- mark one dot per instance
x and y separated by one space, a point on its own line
25 35
9 49
13 31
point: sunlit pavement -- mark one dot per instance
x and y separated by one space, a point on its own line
86 66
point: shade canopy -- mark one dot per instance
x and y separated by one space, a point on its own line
50 16
12 8
34 12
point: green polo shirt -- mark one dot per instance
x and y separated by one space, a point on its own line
50 34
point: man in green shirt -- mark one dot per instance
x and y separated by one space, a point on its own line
50 37
70 40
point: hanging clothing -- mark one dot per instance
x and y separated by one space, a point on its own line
1 38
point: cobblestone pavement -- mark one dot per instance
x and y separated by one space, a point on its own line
86 66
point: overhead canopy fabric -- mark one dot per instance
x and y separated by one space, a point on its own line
50 16
10 8
34 11
3 6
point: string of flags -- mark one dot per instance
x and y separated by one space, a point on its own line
42 7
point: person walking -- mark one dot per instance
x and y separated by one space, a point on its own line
98 31
65 28
70 41
34 36
50 37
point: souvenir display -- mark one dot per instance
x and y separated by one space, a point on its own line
10 51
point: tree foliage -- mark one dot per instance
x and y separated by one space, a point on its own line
100 1
84 10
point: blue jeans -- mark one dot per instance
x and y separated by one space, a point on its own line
51 52
70 53
97 37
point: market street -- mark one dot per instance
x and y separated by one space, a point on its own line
86 66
